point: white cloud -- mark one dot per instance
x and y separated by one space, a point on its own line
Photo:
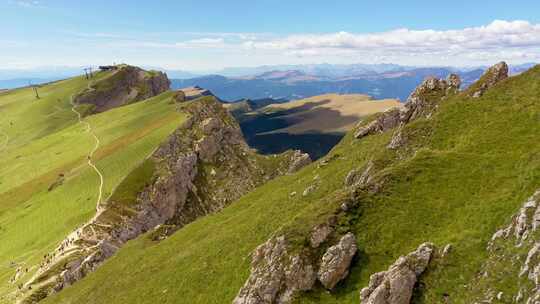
26 3
497 35
201 43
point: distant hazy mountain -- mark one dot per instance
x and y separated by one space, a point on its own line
391 82
325 69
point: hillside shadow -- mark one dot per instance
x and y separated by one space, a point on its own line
316 145
267 122
264 131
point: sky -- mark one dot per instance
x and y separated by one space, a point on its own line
211 35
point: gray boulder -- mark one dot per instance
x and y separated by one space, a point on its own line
275 275
491 77
336 261
298 161
396 285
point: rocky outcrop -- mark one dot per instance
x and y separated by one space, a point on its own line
357 178
275 275
278 272
320 234
491 77
512 270
298 160
336 261
125 85
421 103
397 283
202 167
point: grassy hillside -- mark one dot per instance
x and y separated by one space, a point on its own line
313 125
462 174
47 188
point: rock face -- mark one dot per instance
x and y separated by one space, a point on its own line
491 77
421 103
277 273
298 161
397 283
202 167
336 261
127 84
513 262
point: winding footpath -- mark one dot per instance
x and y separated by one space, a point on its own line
91 154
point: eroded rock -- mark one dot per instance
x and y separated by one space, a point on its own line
421 103
278 273
397 283
319 234
275 276
513 261
336 261
491 77
298 161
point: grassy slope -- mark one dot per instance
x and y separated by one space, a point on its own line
480 162
46 140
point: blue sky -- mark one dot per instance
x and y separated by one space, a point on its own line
209 35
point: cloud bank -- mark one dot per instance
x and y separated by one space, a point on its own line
516 38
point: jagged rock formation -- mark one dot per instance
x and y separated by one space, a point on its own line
275 275
336 261
491 77
396 285
421 103
204 165
278 272
298 161
512 271
125 85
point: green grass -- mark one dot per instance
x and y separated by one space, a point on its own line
46 140
133 183
477 162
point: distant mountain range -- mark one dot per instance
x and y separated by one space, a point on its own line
302 81
285 81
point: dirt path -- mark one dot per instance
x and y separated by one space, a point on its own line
91 154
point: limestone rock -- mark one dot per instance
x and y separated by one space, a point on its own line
397 283
336 261
275 275
491 77
513 258
309 189
421 103
387 120
319 234
298 161
352 177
